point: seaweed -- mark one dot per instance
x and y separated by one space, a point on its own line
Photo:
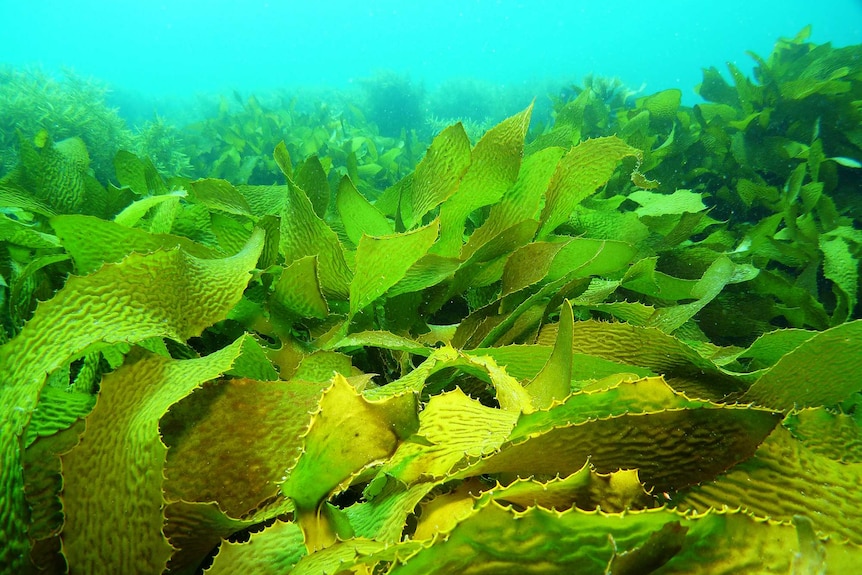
556 351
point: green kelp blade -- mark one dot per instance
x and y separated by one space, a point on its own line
14 197
608 223
382 339
195 529
428 271
133 213
554 382
220 195
320 367
347 433
311 178
383 516
162 294
113 479
715 278
714 88
297 294
487 264
164 216
511 395
630 312
523 362
662 106
43 476
757 546
264 200
443 512
55 172
650 348
437 175
838 436
522 201
57 409
357 554
230 232
494 167
381 262
841 267
140 175
282 157
93 242
643 277
18 233
303 234
414 381
358 215
528 265
591 257
579 174
655 204
488 325
823 370
767 349
785 478
253 362
273 551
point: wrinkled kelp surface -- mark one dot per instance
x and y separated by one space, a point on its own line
627 341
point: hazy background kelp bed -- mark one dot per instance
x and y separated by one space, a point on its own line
153 54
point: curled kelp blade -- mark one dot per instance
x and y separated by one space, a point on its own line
125 302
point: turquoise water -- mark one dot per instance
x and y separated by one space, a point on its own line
194 46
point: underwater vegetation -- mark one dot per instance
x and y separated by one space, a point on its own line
393 102
627 341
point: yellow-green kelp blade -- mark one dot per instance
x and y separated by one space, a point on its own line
554 382
838 436
796 381
112 494
784 479
55 172
162 294
274 551
437 175
494 166
347 433
297 293
674 441
303 234
358 215
93 242
579 174
649 347
381 262
522 201
585 489
197 429
537 540
452 428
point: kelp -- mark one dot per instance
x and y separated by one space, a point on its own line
557 353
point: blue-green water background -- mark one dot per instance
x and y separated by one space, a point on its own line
174 49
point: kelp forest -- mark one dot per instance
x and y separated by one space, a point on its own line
612 333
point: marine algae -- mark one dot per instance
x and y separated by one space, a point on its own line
543 349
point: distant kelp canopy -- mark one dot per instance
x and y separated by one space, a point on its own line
564 352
